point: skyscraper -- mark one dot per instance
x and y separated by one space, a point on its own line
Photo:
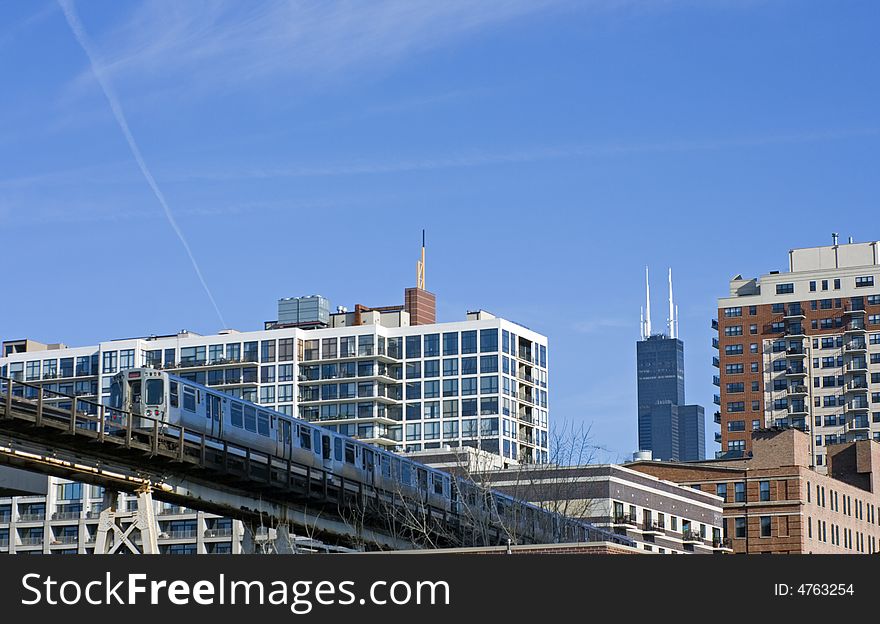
668 428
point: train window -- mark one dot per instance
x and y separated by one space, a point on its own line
250 418
155 392
438 484
386 466
406 473
263 423
368 460
337 448
316 440
349 453
235 416
395 468
305 438
172 389
189 399
423 479
325 446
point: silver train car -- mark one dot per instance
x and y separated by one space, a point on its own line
152 395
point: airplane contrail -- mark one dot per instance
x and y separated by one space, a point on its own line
83 39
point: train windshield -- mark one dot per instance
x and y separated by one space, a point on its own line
116 394
155 392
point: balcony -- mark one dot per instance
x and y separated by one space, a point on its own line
794 312
796 352
857 406
653 527
718 437
716 399
795 371
799 409
716 362
723 543
527 378
65 539
855 347
716 380
715 324
857 386
797 390
625 520
66 515
691 537
855 328
795 331
32 517
524 396
858 424
31 541
852 311
717 418
218 533
715 343
857 366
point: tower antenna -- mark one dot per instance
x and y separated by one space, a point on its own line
420 267
671 320
646 326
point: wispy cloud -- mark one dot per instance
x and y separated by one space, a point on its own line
479 158
229 43
464 159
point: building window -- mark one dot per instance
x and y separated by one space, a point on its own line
764 488
721 490
739 529
784 289
739 492
862 282
765 526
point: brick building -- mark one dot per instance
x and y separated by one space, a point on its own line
797 349
774 502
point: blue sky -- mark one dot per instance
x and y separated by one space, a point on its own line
551 150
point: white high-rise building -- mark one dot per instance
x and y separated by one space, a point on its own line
370 374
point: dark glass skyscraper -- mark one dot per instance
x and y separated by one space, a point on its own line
668 428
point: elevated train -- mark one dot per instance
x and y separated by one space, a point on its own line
150 394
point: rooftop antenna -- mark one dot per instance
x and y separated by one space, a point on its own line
646 322
420 267
671 321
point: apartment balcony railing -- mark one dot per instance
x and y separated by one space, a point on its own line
66 539
797 390
171 511
716 399
717 418
218 533
722 543
653 526
4 543
527 397
854 328
796 351
177 535
66 515
691 536
716 362
857 309
855 347
857 386
5 518
31 517
527 378
718 436
794 312
715 324
627 519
